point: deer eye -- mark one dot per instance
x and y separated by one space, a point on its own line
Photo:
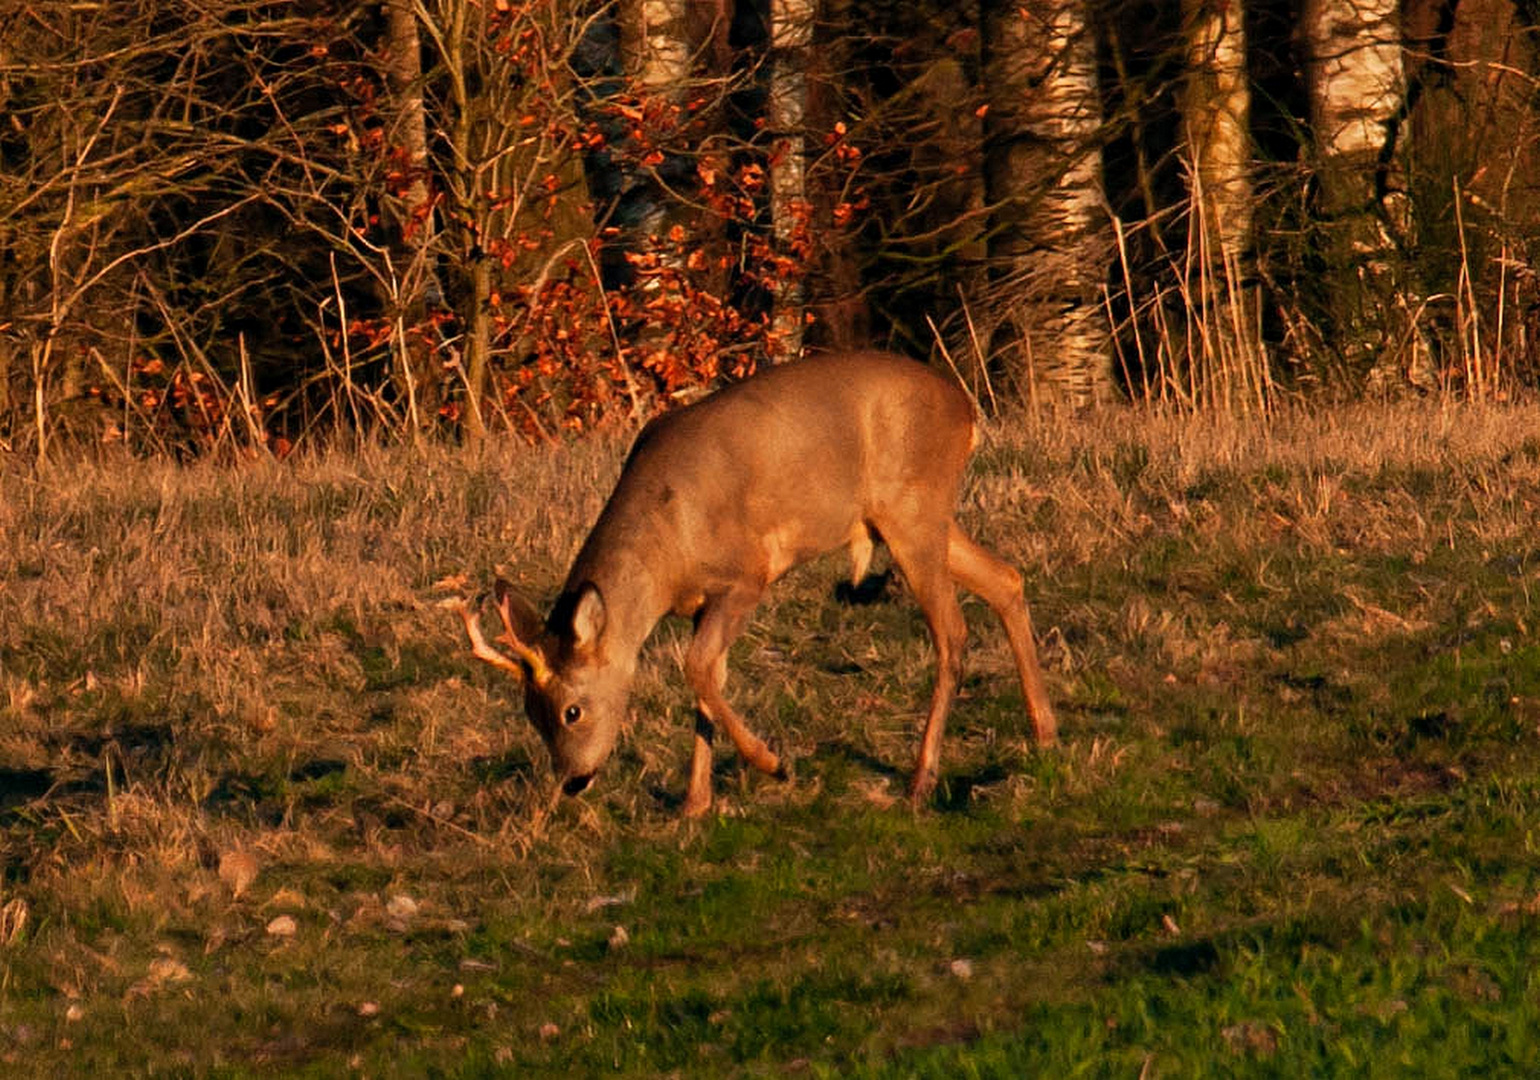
572 714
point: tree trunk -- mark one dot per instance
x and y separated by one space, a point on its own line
1049 239
1226 362
415 281
478 349
791 33
1357 91
655 53
655 45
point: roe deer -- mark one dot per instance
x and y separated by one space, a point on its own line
720 498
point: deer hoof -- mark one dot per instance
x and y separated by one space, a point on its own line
1045 728
767 761
921 787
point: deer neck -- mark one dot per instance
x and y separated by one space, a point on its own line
634 601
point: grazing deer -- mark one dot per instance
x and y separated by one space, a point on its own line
720 498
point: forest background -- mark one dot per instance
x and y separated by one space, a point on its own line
239 223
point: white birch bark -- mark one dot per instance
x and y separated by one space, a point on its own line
791 35
1050 244
655 52
1355 75
1357 84
1216 110
655 45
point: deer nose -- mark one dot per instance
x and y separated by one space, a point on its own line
576 785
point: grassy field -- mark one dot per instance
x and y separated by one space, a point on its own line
261 812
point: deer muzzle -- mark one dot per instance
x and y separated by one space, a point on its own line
576 785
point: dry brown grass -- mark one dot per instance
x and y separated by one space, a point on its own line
247 602
205 668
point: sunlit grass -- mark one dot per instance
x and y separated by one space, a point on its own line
261 812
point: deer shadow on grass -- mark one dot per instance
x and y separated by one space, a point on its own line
955 792
85 760
847 752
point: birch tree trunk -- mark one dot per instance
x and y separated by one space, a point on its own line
414 282
1357 89
1225 358
791 34
1049 239
655 45
655 54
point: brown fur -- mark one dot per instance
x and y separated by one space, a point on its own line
719 499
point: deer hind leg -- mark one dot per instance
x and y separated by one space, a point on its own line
924 565
697 799
717 626
999 584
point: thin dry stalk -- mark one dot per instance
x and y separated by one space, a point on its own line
1135 322
981 361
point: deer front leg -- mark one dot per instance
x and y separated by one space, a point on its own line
717 625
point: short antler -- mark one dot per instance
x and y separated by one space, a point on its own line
537 669
479 646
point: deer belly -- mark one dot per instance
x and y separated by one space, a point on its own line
792 544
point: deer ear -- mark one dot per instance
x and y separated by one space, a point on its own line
588 617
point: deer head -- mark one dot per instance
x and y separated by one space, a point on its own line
574 695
